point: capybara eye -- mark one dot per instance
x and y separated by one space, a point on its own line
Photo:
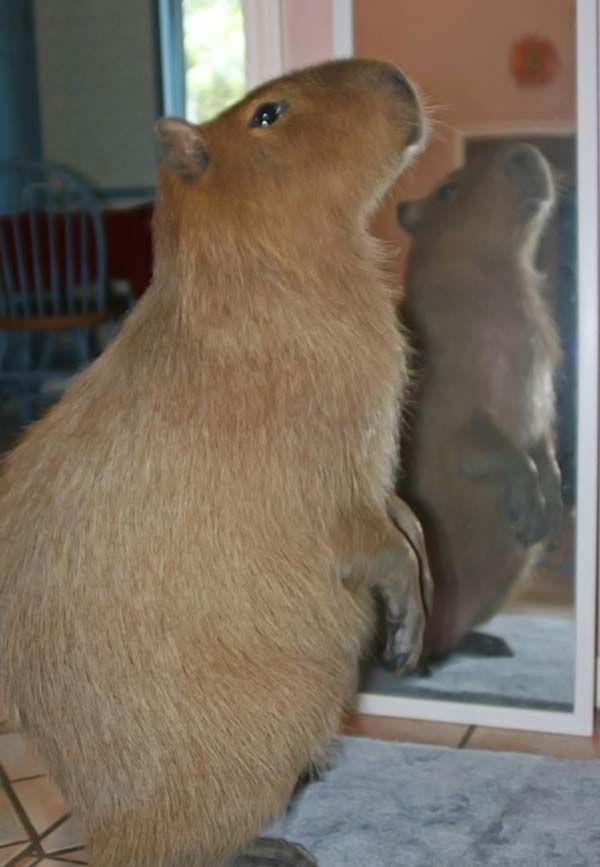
446 191
268 113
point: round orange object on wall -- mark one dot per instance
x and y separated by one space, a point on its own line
534 61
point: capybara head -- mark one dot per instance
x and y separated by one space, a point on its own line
320 143
501 196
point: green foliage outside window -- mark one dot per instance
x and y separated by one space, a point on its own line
215 56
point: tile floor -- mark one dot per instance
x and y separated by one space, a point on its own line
36 829
35 826
475 738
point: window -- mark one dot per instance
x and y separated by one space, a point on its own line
212 51
214 44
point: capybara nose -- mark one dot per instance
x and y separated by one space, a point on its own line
406 91
401 82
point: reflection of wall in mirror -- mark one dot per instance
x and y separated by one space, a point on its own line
459 53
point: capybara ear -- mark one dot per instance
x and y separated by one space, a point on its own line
181 146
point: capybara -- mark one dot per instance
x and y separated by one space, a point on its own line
480 466
190 538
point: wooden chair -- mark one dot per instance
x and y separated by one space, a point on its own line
53 282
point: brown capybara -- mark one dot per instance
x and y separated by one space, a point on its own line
480 467
190 537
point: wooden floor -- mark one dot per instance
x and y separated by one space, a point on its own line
36 828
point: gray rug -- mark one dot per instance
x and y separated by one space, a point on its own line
398 805
540 675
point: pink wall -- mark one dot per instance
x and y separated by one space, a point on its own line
307 32
458 54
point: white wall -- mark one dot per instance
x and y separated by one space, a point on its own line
98 88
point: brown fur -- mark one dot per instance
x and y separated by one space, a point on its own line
479 460
174 626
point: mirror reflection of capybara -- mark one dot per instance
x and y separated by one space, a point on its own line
190 537
479 453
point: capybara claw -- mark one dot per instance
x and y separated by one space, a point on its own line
266 852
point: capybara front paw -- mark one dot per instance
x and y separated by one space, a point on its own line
409 525
267 852
399 570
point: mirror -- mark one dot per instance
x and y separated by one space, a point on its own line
485 232
493 235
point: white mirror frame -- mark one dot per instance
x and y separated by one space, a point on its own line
580 720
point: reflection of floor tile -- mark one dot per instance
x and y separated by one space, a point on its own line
66 836
18 758
42 802
7 853
559 746
11 829
410 731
